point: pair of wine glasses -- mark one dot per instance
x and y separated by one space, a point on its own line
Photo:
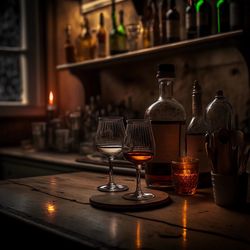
137 144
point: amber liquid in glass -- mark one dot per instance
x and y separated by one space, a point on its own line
138 157
170 141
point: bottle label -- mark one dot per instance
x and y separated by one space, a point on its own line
167 139
173 29
196 149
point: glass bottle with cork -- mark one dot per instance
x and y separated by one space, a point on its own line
102 38
68 46
86 46
168 118
195 137
173 23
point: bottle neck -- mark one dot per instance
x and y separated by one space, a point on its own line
101 21
196 105
191 3
172 4
114 25
165 88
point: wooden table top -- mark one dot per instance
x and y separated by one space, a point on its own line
60 204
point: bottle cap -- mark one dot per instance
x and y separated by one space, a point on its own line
219 94
196 87
166 70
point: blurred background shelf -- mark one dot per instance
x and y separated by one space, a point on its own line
140 55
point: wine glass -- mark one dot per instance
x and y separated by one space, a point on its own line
109 138
139 148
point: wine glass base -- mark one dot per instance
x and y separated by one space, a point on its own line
112 188
138 197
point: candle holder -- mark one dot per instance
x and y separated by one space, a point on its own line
185 173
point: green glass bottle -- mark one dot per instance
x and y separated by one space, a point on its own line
204 18
114 35
222 16
122 35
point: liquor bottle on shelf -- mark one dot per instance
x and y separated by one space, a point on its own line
204 18
173 23
235 15
122 38
164 8
219 113
117 40
222 16
147 38
195 137
113 38
168 118
156 23
102 38
86 46
68 46
190 20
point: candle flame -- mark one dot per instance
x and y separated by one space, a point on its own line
51 98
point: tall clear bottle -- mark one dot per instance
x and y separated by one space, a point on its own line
195 136
168 118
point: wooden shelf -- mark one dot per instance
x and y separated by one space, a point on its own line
147 53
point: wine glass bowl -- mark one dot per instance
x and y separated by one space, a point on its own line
109 138
138 148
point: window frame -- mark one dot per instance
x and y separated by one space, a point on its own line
31 62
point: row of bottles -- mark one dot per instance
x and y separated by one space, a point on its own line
89 46
164 19
173 140
160 24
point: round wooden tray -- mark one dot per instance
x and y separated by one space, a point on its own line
115 202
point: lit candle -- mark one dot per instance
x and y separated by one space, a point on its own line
51 105
51 108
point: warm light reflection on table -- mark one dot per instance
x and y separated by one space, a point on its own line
138 235
113 227
184 222
51 208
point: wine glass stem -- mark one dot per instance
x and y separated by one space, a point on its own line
138 190
111 178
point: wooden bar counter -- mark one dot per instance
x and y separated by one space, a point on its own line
58 205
